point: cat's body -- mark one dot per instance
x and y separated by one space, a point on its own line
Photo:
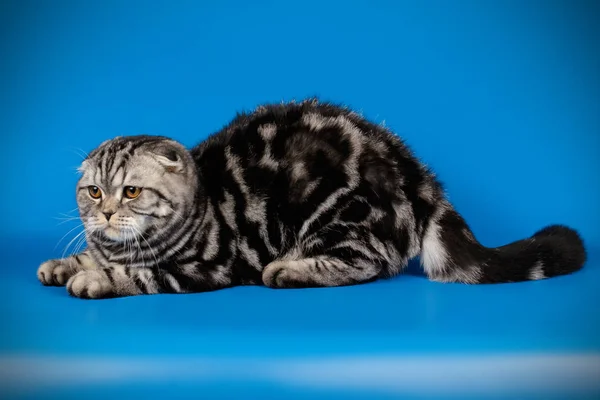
291 195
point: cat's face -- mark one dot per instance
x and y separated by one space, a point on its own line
135 186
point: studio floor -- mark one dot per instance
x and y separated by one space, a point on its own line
401 338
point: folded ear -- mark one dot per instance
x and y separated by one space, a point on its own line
170 155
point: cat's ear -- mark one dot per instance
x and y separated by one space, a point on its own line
170 156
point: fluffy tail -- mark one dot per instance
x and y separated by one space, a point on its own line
450 253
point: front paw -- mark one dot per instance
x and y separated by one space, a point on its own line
55 272
91 284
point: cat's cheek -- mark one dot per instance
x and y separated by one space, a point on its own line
164 210
142 223
92 284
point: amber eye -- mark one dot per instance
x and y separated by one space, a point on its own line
131 192
94 192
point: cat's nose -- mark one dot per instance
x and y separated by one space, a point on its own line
108 215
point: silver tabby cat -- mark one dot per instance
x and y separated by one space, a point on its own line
291 195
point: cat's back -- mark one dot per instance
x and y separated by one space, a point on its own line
305 139
308 149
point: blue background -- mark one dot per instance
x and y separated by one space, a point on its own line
501 98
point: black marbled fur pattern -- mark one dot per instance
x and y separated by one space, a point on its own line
299 195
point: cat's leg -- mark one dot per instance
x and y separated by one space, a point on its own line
119 281
319 271
347 260
57 272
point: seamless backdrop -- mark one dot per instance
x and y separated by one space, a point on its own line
501 98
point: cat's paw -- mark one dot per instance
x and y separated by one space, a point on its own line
282 274
55 272
91 284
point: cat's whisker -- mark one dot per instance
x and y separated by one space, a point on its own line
80 243
132 241
80 152
65 221
66 234
148 244
137 242
66 218
177 214
129 240
70 211
68 214
72 240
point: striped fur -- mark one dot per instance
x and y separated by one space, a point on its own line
291 195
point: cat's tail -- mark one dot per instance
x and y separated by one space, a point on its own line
450 253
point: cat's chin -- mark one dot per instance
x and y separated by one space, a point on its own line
116 235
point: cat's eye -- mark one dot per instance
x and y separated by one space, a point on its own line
94 192
131 192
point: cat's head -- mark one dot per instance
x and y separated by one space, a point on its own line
136 184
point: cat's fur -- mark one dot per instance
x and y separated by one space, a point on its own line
291 195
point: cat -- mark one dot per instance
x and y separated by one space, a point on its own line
291 195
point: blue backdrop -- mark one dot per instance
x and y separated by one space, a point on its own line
501 98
